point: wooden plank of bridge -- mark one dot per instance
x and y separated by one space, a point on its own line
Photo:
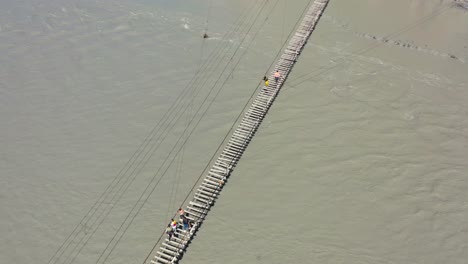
210 187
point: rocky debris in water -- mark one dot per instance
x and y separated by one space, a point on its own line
462 4
408 45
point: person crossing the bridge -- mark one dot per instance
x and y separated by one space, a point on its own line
174 225
277 76
267 82
169 231
185 222
181 212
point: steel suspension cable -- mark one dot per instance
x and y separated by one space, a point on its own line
145 200
98 202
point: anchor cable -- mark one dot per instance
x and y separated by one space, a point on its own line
362 51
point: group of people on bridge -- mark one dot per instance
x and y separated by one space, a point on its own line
277 76
186 223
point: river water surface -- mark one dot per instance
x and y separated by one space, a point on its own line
362 158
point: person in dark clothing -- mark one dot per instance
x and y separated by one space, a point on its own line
169 231
185 222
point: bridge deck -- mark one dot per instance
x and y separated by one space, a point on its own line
171 251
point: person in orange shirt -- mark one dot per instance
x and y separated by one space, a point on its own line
277 75
181 211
